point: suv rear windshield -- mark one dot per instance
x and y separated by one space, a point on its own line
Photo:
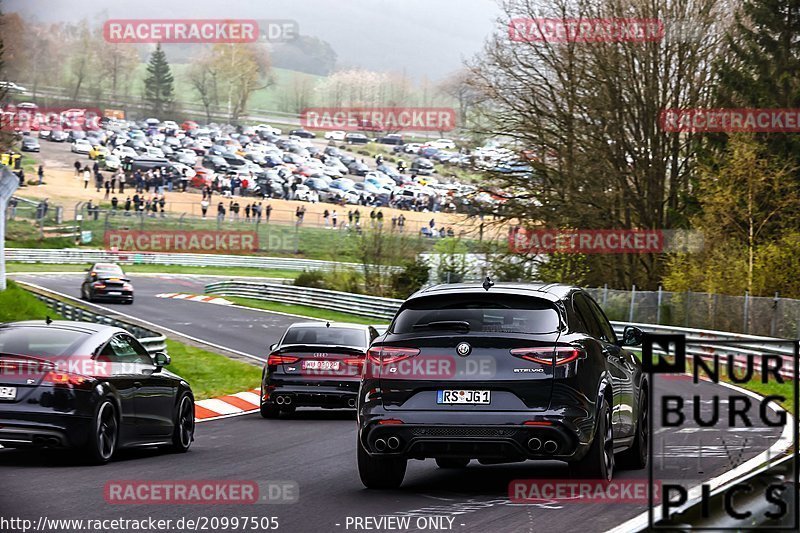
331 336
485 313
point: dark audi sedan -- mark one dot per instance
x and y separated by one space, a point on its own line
501 373
315 364
88 386
107 281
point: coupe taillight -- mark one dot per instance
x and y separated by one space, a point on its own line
275 360
66 378
385 355
550 355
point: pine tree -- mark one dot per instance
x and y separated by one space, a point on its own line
159 88
763 67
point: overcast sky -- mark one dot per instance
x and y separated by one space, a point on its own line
423 37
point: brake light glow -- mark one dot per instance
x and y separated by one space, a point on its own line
274 360
386 355
99 285
390 422
65 378
548 355
537 423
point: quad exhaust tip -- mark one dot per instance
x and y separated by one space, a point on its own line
393 443
279 400
550 446
287 400
351 402
534 444
380 445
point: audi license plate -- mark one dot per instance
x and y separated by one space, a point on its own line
8 393
320 365
472 397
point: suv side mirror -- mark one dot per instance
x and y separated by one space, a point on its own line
273 346
161 360
632 336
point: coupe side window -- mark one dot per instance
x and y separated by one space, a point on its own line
123 349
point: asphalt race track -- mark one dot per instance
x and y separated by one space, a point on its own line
316 450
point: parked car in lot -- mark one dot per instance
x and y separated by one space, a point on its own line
70 385
303 134
358 168
112 162
216 163
336 135
81 146
30 144
315 364
556 384
391 139
58 136
442 144
422 166
106 281
98 151
356 138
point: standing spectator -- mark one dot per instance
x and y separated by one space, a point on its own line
128 206
204 206
350 218
96 167
326 216
268 211
77 166
401 221
247 213
107 185
220 212
86 177
333 218
11 210
162 203
114 205
40 173
121 180
379 217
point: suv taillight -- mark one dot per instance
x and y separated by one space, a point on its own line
385 355
559 355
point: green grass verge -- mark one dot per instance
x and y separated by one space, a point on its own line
305 310
211 374
18 304
166 269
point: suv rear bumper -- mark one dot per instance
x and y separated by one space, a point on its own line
564 434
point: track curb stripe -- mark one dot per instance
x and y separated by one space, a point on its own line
232 404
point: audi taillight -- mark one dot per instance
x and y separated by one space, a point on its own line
549 355
99 285
66 378
386 355
275 360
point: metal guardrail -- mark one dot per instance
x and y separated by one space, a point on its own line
357 304
84 256
153 342
385 308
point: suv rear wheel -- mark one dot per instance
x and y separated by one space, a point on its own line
380 472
